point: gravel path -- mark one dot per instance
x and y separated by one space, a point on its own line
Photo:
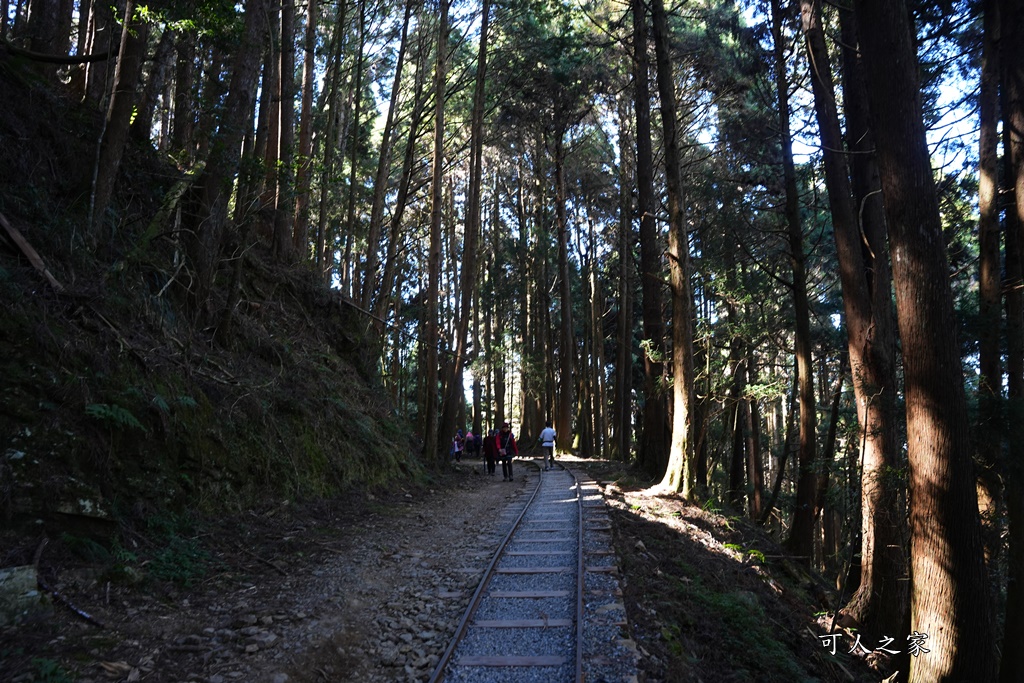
374 600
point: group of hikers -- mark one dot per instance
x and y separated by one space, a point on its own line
500 445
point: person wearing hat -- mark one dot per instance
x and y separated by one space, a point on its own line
507 450
457 444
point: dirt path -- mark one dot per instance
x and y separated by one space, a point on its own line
369 591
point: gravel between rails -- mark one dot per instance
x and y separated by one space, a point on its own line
547 537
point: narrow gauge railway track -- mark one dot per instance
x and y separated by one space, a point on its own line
525 621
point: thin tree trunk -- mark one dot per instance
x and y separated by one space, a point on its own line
142 128
949 597
380 182
622 421
119 114
990 382
300 222
284 199
433 450
387 289
1011 668
801 538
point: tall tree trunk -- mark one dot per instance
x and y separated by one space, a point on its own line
388 289
142 127
184 98
119 114
212 191
801 537
880 603
347 286
380 181
433 450
990 384
300 222
622 420
654 437
1012 68
949 597
566 341
101 36
284 197
454 399
679 473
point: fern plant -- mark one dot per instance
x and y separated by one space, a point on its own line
114 416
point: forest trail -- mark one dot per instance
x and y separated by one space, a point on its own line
370 589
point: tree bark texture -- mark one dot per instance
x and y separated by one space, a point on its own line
429 370
679 474
880 603
949 598
654 436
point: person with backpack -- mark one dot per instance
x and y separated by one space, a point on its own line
457 444
470 447
507 450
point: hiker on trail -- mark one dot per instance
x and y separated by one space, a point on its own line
457 443
490 448
470 444
507 450
547 442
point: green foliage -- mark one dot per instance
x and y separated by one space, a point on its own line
49 671
738 617
182 561
180 557
113 415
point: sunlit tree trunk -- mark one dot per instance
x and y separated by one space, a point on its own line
949 597
679 474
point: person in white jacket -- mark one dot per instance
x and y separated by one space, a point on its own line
547 442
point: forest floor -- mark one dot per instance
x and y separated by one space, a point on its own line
370 589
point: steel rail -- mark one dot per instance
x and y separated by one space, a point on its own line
580 578
474 602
